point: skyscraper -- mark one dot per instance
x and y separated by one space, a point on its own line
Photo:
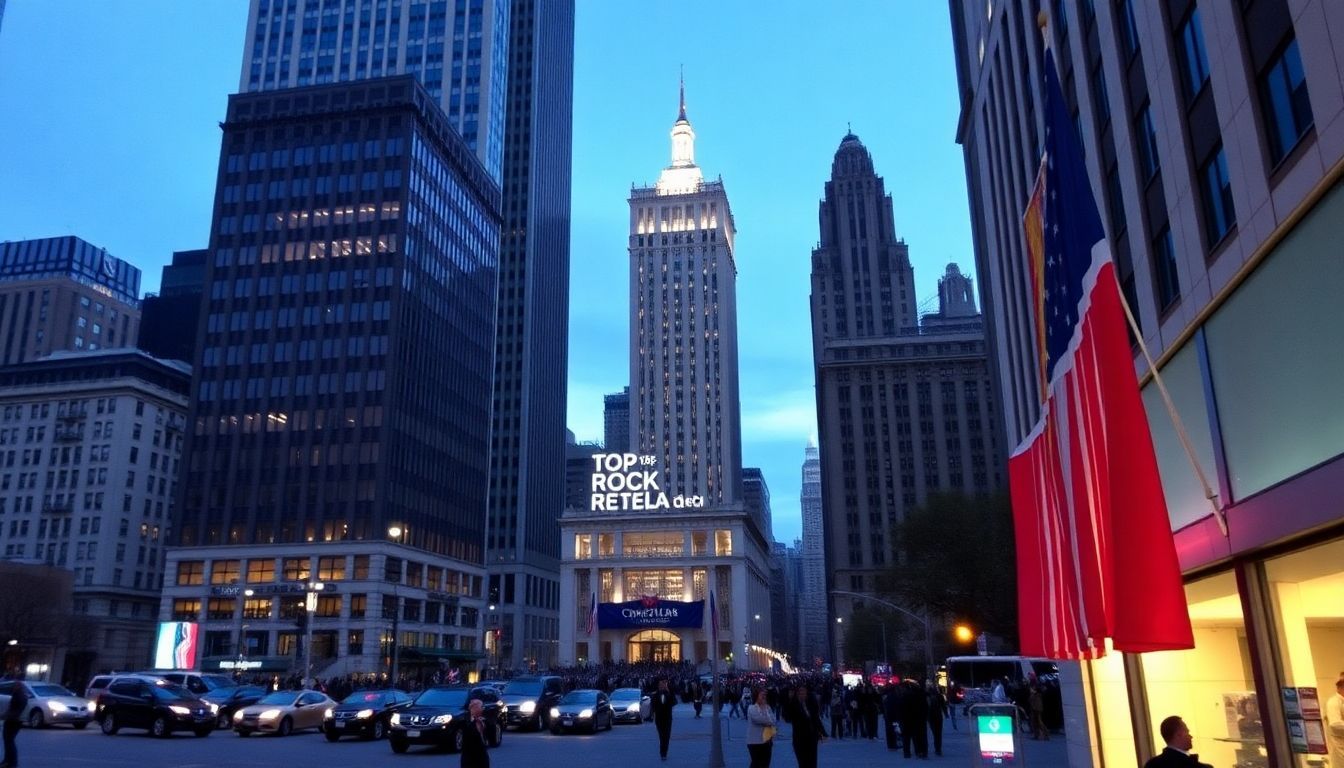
527 474
904 410
616 421
457 49
812 625
342 385
683 327
756 497
170 320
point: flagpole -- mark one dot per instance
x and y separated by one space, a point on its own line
715 734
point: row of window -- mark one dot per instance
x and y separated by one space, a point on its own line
328 568
588 546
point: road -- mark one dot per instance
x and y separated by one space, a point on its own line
626 746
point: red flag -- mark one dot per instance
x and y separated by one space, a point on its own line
1095 556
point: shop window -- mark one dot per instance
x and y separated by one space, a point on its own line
606 545
1210 686
1305 589
653 544
699 543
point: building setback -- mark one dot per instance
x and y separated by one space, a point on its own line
62 293
616 421
343 381
169 320
90 444
904 410
1212 136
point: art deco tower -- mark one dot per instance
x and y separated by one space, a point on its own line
683 327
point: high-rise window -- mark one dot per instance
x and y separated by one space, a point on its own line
1146 137
1129 30
1216 189
1284 99
1194 59
1165 280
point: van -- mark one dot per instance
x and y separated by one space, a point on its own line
977 674
199 683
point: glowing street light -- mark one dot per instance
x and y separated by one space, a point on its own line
964 634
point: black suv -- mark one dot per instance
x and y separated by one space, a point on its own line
528 701
158 707
364 714
438 715
230 700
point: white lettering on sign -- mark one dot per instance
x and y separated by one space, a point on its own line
629 482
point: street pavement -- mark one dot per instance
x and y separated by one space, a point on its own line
625 746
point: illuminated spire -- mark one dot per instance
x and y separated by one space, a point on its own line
683 175
681 116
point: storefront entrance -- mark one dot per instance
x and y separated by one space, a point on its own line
653 645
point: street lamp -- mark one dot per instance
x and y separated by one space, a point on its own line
923 621
963 633
397 534
494 637
310 603
239 645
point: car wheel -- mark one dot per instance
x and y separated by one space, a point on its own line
379 730
286 727
497 736
109 724
159 728
331 735
201 733
457 740
398 746
35 719
543 721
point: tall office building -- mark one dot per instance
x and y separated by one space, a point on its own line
683 327
341 409
170 318
616 421
457 49
1212 137
527 478
62 293
813 637
904 409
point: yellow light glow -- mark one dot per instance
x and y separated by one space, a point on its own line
964 633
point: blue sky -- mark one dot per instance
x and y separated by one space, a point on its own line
110 133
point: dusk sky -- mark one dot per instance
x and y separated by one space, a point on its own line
111 133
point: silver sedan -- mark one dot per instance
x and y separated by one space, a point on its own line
630 705
49 704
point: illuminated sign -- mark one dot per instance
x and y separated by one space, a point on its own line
650 611
996 738
629 482
228 664
177 645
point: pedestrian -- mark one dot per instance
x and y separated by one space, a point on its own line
760 731
914 721
1036 707
871 708
662 704
474 753
18 702
697 698
838 717
746 699
891 716
804 714
937 713
1334 724
1179 743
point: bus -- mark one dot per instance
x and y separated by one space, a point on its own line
976 674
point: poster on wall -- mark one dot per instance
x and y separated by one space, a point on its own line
1306 732
650 612
1310 703
177 645
1242 713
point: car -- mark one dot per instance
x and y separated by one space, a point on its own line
282 713
230 700
438 715
199 683
586 708
99 683
363 713
630 705
528 701
48 704
158 706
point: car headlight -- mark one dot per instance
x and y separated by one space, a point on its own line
238 715
585 714
363 713
555 712
527 707
633 707
269 714
214 708
56 706
396 717
329 714
442 719
179 710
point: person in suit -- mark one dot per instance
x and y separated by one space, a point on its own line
662 704
474 738
914 720
1179 743
804 714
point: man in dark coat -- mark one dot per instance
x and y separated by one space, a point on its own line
937 714
804 714
474 739
891 714
914 720
1179 743
18 701
662 704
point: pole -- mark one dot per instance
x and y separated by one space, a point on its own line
308 646
886 660
396 625
928 646
715 734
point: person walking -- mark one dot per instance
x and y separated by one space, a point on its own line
891 716
1036 708
1179 743
760 731
662 704
872 707
838 717
18 702
697 698
914 721
937 714
474 753
804 714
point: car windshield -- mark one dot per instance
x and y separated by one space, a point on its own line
625 694
172 692
374 698
438 697
285 698
214 682
580 697
523 688
50 690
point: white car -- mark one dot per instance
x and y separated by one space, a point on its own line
49 704
630 705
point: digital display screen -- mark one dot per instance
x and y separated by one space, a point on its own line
177 645
995 734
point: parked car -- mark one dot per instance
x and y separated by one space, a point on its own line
199 683
630 705
230 700
99 683
365 714
48 704
528 701
282 713
585 708
438 715
157 706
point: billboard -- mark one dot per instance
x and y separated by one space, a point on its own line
177 646
650 612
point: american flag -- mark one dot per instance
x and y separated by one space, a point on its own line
1095 556
592 615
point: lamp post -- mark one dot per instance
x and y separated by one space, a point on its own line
310 603
397 534
239 646
493 629
923 621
